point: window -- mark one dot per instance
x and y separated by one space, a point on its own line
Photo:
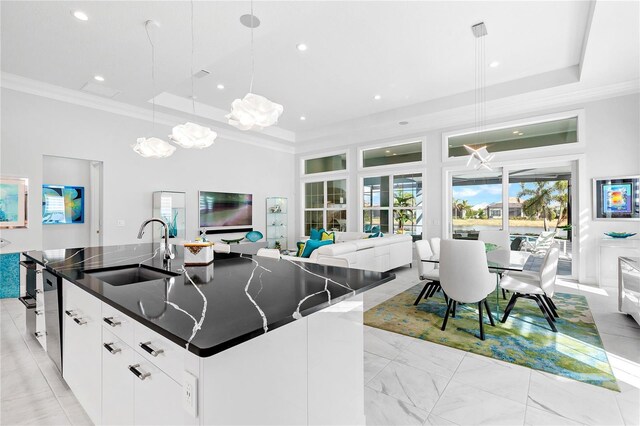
331 163
393 203
325 205
394 154
512 138
476 203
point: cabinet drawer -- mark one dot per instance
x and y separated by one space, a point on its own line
118 323
117 381
166 355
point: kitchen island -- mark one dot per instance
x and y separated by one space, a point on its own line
245 340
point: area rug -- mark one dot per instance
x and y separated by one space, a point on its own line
575 351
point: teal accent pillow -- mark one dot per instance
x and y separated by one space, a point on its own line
311 245
316 234
376 235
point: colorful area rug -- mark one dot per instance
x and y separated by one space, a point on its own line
575 351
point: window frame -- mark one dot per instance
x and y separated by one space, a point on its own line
324 209
380 169
322 175
391 208
543 151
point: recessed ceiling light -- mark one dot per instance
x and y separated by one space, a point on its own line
395 153
80 15
494 64
403 123
520 134
387 151
220 86
515 132
377 97
98 78
303 118
302 47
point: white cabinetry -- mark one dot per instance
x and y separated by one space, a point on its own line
117 381
82 348
608 252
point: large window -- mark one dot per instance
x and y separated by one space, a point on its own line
394 154
325 205
476 204
331 163
543 134
393 204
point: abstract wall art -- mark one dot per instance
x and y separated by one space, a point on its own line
62 204
13 202
617 198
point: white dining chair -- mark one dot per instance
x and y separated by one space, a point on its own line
427 271
539 287
272 253
499 238
465 277
435 246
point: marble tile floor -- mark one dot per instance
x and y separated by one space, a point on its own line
407 381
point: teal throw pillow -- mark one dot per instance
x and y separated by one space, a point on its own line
376 235
311 245
316 234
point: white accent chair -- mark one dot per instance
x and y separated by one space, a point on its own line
465 277
541 244
499 238
538 286
427 271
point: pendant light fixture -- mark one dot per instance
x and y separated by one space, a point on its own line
479 157
191 135
253 111
153 147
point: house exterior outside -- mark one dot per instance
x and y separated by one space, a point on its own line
494 210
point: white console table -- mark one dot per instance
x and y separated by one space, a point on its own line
609 249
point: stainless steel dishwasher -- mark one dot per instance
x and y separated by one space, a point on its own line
52 301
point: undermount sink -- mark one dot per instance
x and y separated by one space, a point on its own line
129 274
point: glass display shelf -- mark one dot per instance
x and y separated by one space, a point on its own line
277 226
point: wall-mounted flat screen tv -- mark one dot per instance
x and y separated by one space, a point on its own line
225 210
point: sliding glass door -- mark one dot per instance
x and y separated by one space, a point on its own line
476 203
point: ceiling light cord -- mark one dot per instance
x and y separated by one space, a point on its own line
193 99
153 76
252 56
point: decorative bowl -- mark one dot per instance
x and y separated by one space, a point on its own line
620 234
254 236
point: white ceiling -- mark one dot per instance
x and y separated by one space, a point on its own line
409 53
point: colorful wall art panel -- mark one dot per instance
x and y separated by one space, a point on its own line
13 202
617 198
62 204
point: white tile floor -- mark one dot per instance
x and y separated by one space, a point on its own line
407 381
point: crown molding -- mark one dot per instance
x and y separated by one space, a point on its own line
371 128
75 97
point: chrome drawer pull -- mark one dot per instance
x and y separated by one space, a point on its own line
111 322
38 334
38 291
149 349
39 313
71 313
140 375
80 321
111 349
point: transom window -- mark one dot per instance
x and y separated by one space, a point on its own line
393 154
331 163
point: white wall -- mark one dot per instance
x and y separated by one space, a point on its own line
612 148
68 172
34 126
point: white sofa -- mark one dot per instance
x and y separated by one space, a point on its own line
371 254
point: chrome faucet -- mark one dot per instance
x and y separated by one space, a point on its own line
168 253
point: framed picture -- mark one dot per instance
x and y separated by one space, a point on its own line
62 204
616 198
13 202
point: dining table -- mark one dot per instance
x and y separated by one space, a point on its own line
499 261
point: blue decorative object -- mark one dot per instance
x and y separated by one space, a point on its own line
10 267
311 245
620 234
316 234
254 236
376 235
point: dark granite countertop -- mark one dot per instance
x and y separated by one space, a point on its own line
246 295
